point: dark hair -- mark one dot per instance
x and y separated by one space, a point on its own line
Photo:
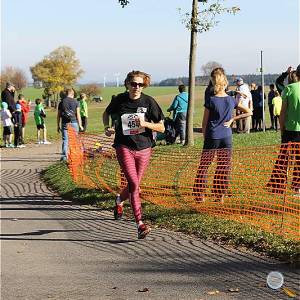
132 74
181 88
38 101
20 96
292 78
272 86
70 91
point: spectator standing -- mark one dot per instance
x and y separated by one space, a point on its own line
243 96
258 108
277 104
280 80
68 114
17 122
217 132
179 108
137 116
83 111
39 117
7 124
290 132
255 100
271 95
7 95
25 107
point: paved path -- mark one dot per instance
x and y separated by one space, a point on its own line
52 249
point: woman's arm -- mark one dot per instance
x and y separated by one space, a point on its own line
246 113
205 121
107 129
159 127
79 118
173 105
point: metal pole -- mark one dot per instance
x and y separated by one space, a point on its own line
263 88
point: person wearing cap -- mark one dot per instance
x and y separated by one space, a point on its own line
17 121
243 96
6 122
7 95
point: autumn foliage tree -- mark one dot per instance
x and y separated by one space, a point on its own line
91 90
57 70
15 76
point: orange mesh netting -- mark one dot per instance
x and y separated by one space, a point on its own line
255 185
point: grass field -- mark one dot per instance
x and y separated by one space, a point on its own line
203 225
163 95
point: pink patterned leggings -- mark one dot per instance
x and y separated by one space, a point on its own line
133 164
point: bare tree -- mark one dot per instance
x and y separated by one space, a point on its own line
15 76
197 22
209 66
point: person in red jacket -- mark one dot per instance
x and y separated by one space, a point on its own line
25 107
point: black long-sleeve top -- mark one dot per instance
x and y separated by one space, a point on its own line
17 118
8 97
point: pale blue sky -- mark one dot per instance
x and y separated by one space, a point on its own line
148 35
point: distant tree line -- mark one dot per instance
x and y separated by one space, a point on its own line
203 80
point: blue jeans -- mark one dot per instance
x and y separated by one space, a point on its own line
65 142
180 125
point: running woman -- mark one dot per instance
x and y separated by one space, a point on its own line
136 115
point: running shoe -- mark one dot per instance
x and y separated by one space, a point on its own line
143 230
46 143
118 212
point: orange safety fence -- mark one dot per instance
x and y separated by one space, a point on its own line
253 185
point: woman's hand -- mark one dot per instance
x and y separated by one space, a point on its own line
228 123
109 131
141 122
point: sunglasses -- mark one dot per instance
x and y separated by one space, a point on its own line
136 84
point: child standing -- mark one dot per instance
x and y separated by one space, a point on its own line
277 104
83 111
7 123
17 121
25 106
39 116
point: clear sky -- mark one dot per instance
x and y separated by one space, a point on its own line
148 35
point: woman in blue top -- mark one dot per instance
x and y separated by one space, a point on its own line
216 128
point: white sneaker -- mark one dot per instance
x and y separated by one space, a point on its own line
38 142
46 143
21 146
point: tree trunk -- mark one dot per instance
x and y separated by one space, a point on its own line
192 66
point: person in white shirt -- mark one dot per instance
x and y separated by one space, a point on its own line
7 124
244 97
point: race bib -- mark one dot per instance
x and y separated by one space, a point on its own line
129 124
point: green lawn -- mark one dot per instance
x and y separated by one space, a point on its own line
163 95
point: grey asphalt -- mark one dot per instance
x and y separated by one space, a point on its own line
53 249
